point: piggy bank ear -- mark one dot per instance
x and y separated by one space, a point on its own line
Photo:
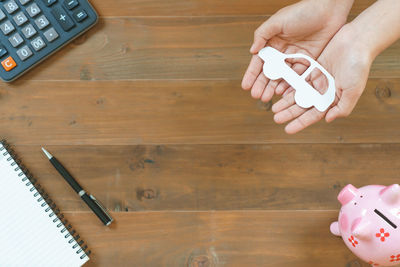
391 194
335 228
347 194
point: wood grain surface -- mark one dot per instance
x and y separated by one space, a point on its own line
154 48
216 238
200 7
147 112
178 112
215 177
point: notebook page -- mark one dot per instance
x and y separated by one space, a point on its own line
28 236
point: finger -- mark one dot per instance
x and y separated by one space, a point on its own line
286 101
252 72
318 81
288 91
310 117
263 33
267 94
259 86
344 107
289 114
301 61
272 84
299 68
282 87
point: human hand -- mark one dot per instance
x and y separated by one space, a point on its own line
349 63
305 27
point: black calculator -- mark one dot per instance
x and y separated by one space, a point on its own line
31 30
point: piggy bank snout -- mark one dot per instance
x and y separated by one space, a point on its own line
347 194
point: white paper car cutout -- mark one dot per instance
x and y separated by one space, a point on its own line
305 96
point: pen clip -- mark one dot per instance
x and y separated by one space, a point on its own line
103 209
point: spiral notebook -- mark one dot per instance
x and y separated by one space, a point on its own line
32 230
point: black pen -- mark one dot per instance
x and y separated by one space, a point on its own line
90 200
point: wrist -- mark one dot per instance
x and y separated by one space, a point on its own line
354 41
377 27
335 11
365 43
335 7
346 4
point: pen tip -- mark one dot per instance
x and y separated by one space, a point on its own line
46 153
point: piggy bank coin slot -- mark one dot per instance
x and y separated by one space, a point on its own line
385 218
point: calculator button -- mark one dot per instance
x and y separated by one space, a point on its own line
7 27
8 64
79 15
38 43
49 2
16 40
2 15
51 34
33 10
63 18
20 18
11 6
24 2
3 51
70 4
24 53
28 31
41 22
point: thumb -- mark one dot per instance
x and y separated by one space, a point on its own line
344 107
266 31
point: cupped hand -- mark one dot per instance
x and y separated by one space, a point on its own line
305 27
349 63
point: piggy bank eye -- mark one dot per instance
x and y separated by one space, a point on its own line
361 196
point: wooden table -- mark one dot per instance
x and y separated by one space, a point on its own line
146 110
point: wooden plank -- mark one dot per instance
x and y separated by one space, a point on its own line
199 7
214 177
292 238
169 48
177 112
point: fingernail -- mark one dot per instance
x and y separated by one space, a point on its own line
276 119
273 108
252 48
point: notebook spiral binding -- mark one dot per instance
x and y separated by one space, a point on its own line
44 199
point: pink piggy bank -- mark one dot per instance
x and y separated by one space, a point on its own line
369 223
